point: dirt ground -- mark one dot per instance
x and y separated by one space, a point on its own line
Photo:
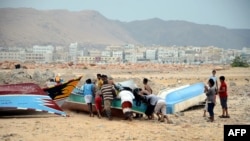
187 125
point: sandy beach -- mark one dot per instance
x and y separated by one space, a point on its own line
187 125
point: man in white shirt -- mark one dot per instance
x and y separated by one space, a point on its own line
126 102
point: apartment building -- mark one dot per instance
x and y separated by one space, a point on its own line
151 54
126 53
73 51
45 53
10 56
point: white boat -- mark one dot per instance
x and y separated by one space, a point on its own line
183 97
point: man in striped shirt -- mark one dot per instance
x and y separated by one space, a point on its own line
107 92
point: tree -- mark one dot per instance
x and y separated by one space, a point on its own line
239 62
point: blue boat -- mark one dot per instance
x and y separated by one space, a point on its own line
27 97
184 97
76 102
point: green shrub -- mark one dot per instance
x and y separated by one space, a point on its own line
239 62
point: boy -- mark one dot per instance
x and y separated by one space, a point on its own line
223 97
146 86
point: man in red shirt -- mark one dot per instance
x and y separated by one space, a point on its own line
223 97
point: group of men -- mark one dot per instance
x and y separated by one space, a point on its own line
107 91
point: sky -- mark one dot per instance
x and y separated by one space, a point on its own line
232 14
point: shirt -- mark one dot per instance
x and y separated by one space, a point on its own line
211 94
126 96
88 89
215 80
223 86
106 90
151 99
99 83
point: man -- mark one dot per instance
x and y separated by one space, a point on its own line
107 93
99 81
215 80
146 86
126 101
155 104
58 78
150 100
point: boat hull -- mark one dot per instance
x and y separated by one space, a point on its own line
177 99
39 103
185 97
76 102
27 96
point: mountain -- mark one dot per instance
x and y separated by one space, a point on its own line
182 33
28 27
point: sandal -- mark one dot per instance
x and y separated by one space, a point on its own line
222 116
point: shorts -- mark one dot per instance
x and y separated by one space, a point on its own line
98 103
126 106
88 98
223 102
161 107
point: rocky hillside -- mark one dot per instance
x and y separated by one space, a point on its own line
27 27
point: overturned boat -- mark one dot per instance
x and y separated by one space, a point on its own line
27 96
183 97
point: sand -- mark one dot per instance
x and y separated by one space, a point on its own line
187 125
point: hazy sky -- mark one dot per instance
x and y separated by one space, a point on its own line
227 13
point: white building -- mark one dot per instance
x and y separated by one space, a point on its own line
151 54
46 51
130 55
73 52
118 54
7 56
106 53
43 49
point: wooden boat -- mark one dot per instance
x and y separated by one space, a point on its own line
177 99
59 93
27 96
183 97
76 102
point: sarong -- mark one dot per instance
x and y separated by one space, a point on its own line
126 106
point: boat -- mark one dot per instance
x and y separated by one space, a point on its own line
27 97
177 99
59 93
183 97
76 101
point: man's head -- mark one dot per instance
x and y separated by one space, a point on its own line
99 76
211 82
214 72
104 79
145 80
222 78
